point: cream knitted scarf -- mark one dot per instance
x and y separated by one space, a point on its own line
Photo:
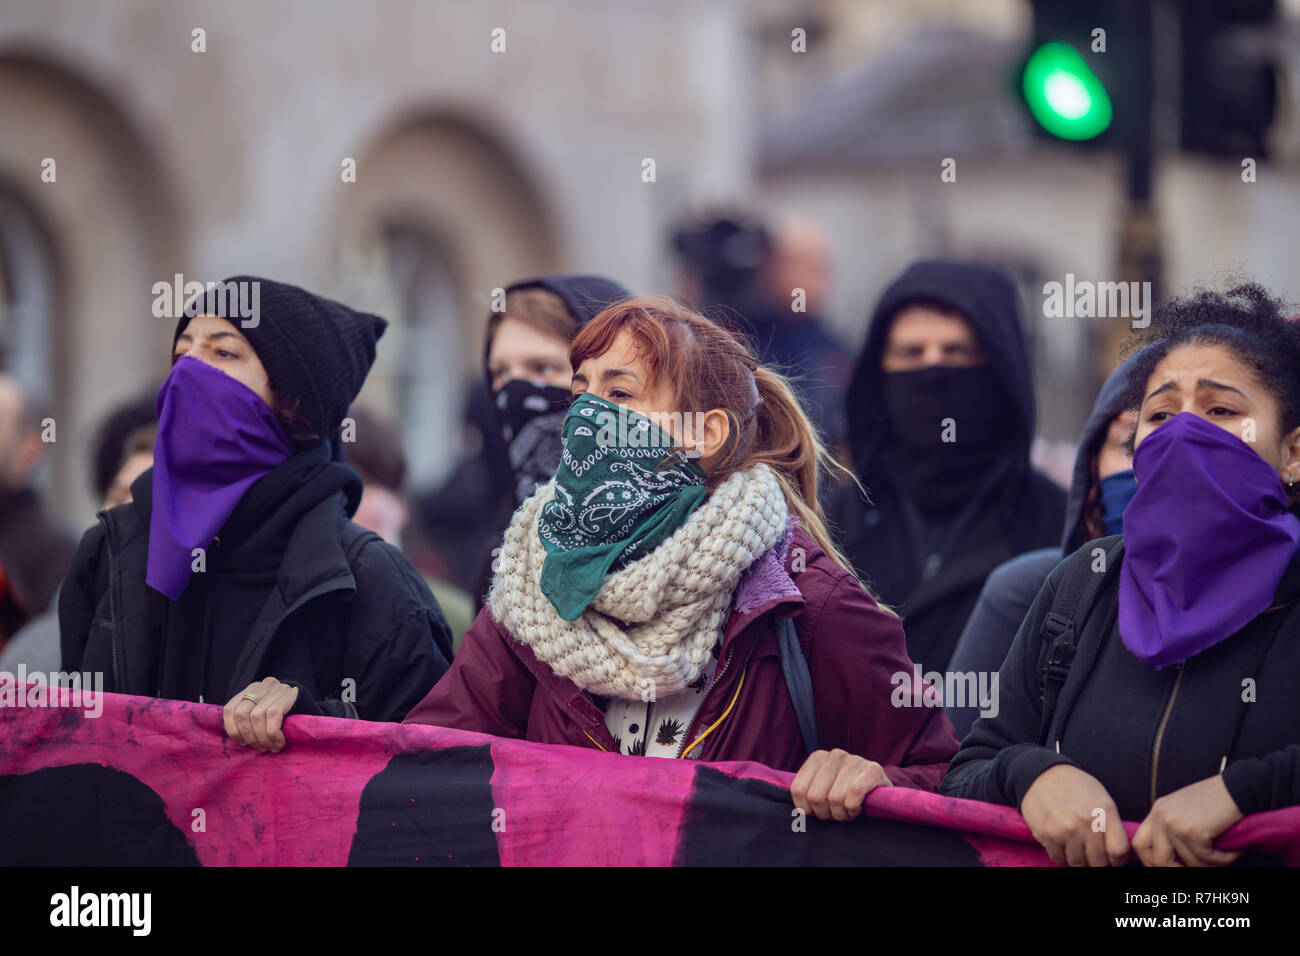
650 628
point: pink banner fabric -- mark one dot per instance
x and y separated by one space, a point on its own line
355 792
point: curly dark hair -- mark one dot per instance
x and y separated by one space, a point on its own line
1246 320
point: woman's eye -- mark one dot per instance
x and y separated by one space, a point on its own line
1221 411
618 394
223 353
1157 416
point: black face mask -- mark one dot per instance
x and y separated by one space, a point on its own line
531 416
950 427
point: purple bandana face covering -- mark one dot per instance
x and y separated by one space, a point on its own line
1207 539
216 438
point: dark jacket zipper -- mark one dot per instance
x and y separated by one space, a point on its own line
207 618
687 738
112 613
118 684
1160 731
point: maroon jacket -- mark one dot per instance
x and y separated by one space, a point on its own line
497 686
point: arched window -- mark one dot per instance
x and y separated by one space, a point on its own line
427 330
26 298
442 211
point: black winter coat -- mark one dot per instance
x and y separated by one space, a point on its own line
339 612
935 593
1140 731
1016 509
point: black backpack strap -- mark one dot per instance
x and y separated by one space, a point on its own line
798 680
1061 629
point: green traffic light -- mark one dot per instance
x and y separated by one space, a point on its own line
1063 93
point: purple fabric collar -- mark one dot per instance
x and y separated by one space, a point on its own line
767 579
216 439
1207 539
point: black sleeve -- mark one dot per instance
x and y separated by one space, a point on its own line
398 645
982 628
412 661
305 703
385 685
79 596
1004 602
1264 783
1001 758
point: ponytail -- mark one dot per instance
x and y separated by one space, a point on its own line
786 441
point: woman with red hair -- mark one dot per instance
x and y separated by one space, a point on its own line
643 599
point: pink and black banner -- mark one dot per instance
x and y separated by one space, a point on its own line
137 781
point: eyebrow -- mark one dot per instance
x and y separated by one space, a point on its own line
608 374
214 335
1204 383
914 346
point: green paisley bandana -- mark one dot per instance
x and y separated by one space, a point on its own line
623 486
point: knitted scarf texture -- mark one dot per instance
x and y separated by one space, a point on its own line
651 626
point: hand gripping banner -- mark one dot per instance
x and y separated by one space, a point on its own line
138 781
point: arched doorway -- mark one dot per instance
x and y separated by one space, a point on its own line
440 214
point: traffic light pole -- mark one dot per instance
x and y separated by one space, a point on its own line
1140 250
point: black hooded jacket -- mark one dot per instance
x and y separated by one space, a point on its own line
290 589
1011 588
1015 510
1144 732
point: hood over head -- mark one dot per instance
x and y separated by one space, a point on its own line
987 298
584 297
1109 403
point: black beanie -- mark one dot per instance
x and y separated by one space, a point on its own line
316 352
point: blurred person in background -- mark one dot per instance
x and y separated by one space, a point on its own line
375 451
740 272
941 417
1170 696
1101 489
526 369
123 450
235 559
34 548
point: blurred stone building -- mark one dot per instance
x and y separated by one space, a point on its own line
476 165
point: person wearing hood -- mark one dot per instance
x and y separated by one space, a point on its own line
1101 489
234 574
526 369
1157 685
940 417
